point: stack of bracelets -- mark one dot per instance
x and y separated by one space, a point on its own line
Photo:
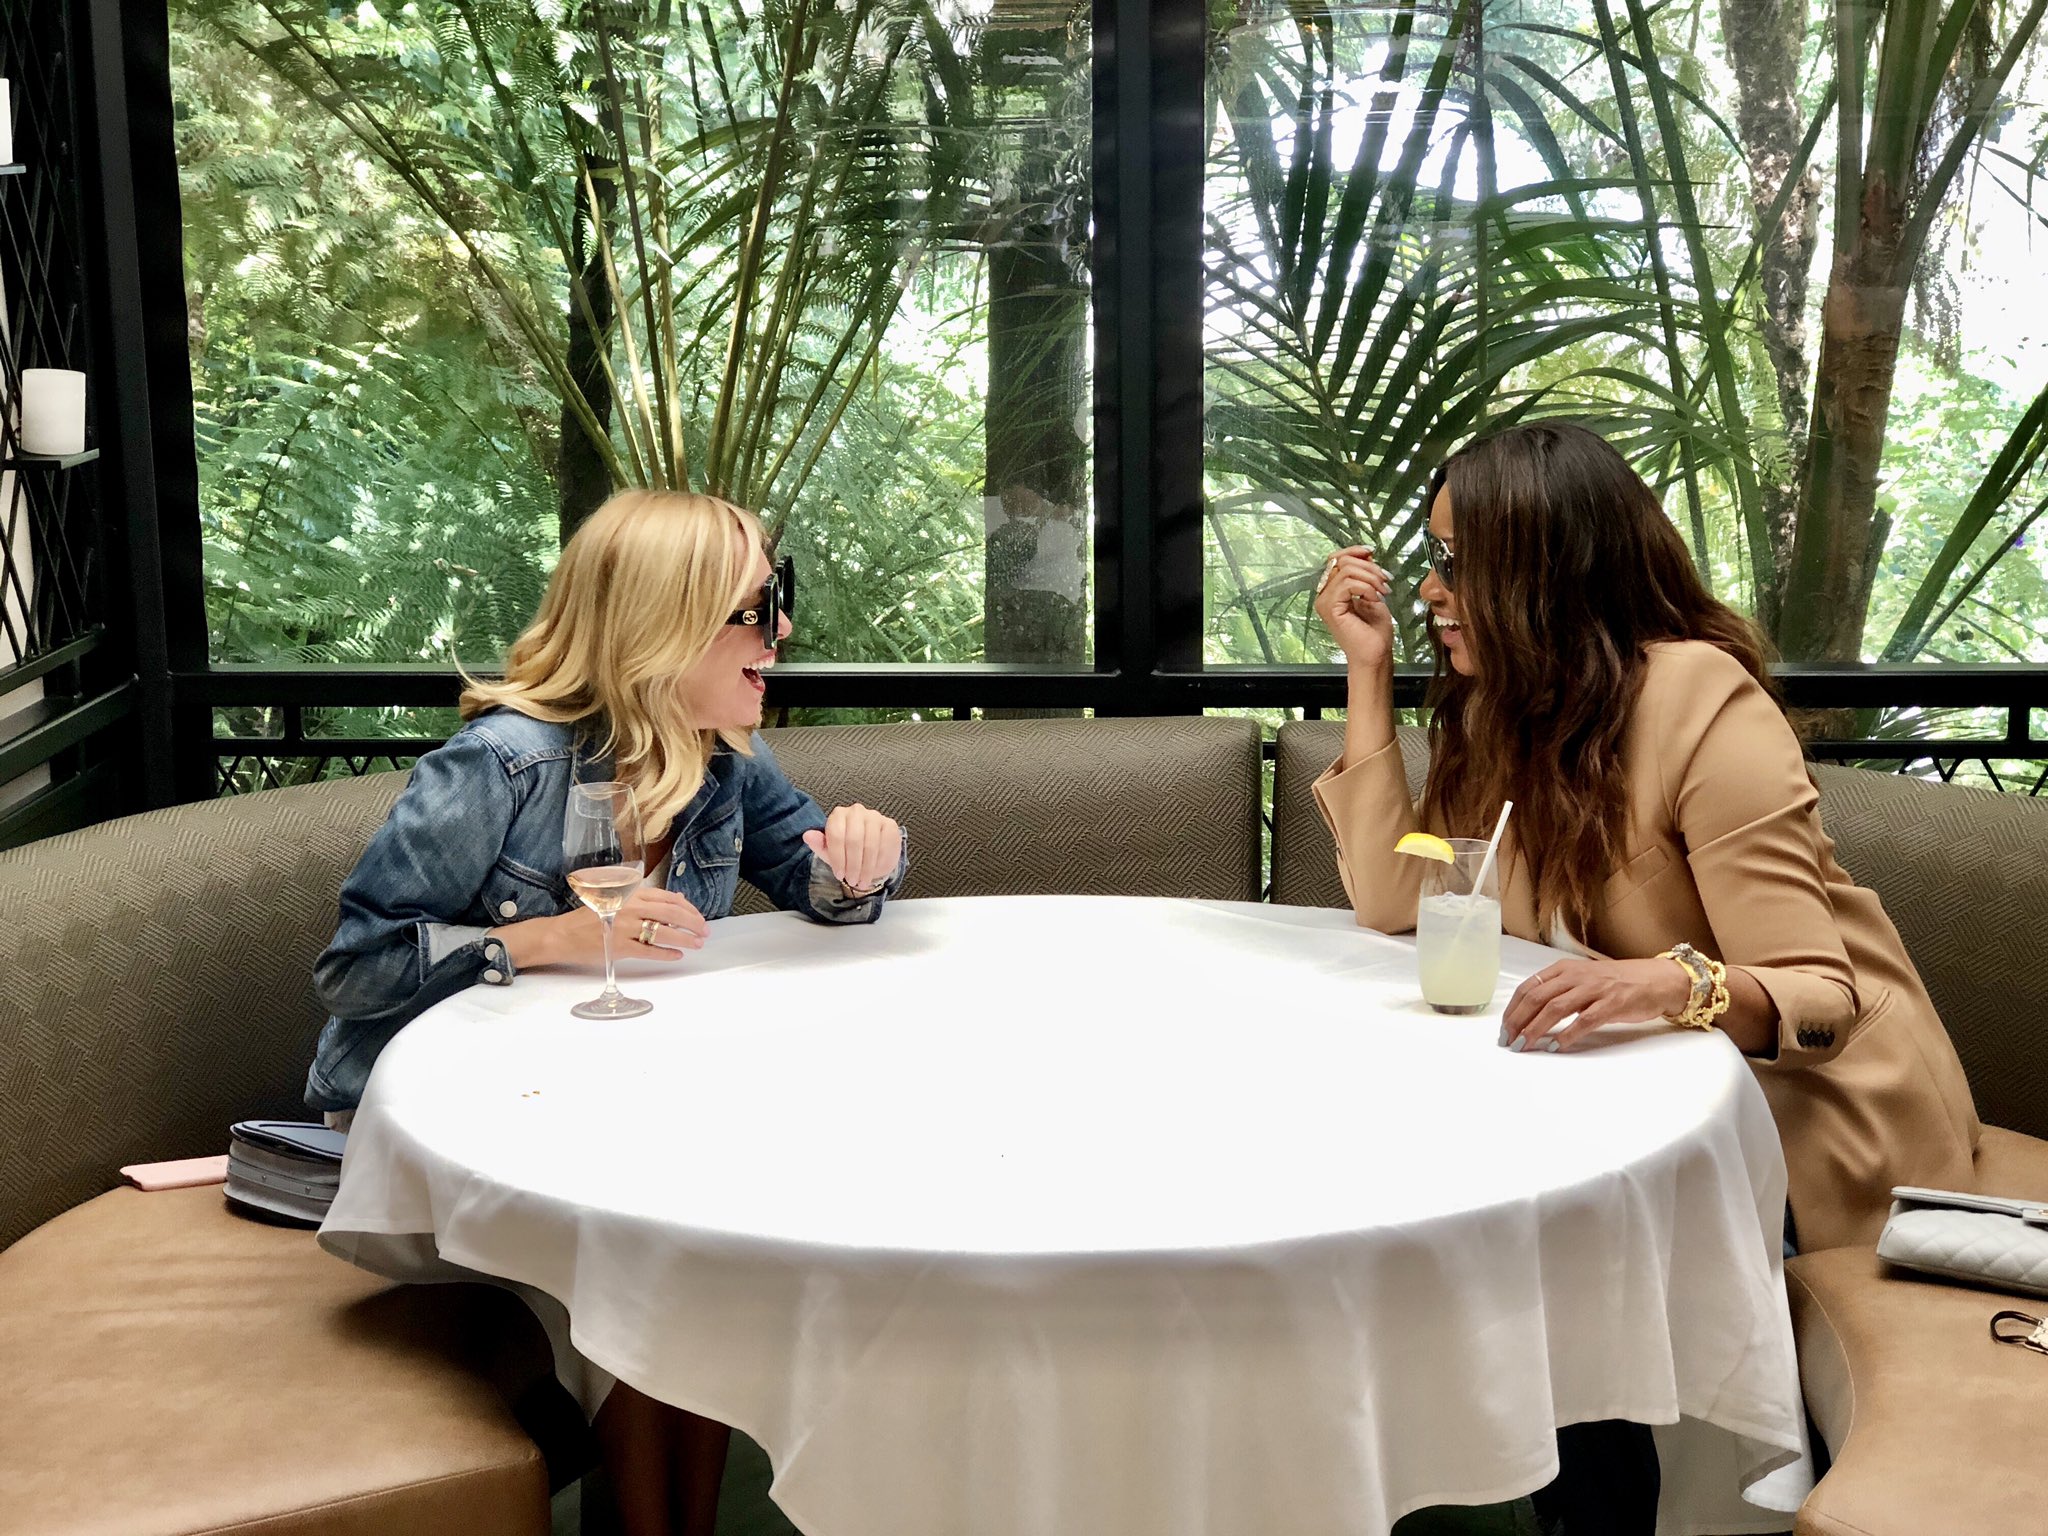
1709 998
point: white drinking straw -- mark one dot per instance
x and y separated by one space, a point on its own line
1492 848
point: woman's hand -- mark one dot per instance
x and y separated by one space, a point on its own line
1599 992
860 846
1351 599
577 938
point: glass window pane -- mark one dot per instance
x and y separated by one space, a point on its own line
455 271
1425 220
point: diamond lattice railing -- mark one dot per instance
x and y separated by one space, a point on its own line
51 542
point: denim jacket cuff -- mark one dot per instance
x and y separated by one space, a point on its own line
441 942
831 902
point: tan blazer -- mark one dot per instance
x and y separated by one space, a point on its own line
1725 850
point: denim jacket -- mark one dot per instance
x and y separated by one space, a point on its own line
476 840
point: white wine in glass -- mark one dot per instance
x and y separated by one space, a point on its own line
604 854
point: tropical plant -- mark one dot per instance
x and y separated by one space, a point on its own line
743 252
1374 305
1905 135
597 161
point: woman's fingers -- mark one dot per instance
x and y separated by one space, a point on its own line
678 924
1597 1012
1349 572
883 840
888 848
1563 1005
1531 996
860 837
861 845
835 841
1540 1003
677 911
666 907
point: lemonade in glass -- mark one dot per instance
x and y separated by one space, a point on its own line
1457 929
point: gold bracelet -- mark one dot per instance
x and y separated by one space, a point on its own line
1709 999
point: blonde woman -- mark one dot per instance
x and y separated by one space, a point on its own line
644 664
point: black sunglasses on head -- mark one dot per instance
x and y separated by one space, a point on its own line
777 597
1440 558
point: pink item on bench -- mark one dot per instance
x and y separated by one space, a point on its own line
180 1173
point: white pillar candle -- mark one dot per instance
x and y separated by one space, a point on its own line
52 411
6 125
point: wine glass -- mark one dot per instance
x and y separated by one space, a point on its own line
603 853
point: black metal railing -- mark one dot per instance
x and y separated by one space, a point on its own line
1985 724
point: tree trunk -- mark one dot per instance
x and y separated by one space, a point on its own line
1834 553
582 480
1903 143
1035 505
1765 40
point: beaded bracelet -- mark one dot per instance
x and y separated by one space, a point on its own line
1709 998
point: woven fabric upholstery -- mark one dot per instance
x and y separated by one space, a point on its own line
1962 872
1088 807
1964 875
1304 857
158 982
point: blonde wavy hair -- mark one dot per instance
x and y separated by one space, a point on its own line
642 591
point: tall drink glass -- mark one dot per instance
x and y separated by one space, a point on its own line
1457 931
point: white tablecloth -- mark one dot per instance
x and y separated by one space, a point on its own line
1055 1216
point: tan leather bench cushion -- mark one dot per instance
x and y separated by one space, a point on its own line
168 1368
1934 1428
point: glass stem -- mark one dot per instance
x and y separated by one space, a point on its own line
611 984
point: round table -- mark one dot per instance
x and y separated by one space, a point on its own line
1047 1216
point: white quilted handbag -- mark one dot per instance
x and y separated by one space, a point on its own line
1978 1238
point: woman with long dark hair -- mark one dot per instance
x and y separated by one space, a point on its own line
1661 799
1666 833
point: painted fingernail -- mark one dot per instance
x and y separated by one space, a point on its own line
1503 1040
1519 1043
1551 1046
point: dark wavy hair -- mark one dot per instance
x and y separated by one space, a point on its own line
1566 569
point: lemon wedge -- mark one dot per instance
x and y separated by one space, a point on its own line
1423 846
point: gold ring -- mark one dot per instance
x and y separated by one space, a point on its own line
647 927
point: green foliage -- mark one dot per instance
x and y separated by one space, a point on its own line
384 235
371 486
1427 220
1369 315
1421 220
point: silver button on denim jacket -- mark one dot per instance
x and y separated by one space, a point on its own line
476 839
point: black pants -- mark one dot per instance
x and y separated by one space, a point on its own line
1606 1483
